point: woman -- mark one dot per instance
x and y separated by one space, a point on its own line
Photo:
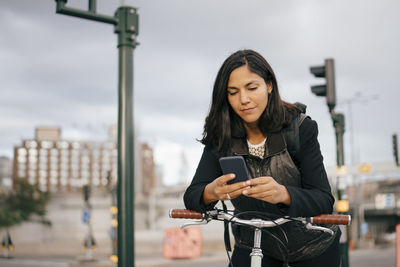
247 117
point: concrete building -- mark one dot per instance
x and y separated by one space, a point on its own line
59 165
149 180
5 171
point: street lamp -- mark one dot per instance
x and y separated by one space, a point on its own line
126 22
357 98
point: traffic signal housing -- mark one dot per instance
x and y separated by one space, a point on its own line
86 193
326 71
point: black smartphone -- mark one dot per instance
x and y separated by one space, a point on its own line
236 165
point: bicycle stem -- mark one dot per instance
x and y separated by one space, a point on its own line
256 253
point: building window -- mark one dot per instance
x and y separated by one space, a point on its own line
42 173
32 174
46 144
33 152
62 144
32 159
53 181
31 144
42 181
76 145
31 180
21 159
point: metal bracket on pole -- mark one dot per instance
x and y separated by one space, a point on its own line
127 27
90 14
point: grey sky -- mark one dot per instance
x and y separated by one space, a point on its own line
58 70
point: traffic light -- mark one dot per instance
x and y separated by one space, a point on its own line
328 72
86 193
395 151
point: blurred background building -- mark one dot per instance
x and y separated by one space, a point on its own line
5 171
59 165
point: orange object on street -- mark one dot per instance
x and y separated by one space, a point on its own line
182 243
398 245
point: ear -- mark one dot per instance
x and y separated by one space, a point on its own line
269 87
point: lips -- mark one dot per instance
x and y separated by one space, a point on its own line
247 110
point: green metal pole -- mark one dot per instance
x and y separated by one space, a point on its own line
338 123
126 23
127 30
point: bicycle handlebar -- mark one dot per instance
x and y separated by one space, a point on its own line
185 214
331 219
320 219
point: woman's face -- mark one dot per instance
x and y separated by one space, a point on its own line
248 94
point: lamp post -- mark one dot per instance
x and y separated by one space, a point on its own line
357 98
125 21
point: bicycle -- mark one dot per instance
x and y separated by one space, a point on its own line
258 224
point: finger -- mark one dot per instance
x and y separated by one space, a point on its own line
260 180
222 180
236 186
236 193
261 197
264 195
259 189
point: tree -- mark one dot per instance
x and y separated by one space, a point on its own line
20 203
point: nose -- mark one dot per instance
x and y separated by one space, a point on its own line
244 97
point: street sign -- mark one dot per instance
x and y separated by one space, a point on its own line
365 168
384 201
341 170
85 216
342 205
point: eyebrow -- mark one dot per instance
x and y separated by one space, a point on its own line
247 84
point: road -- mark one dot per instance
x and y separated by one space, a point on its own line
358 258
380 257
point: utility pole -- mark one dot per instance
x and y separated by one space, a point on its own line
126 22
357 98
395 149
89 244
328 90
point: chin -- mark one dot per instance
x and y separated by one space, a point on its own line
250 121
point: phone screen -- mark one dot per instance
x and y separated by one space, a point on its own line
236 165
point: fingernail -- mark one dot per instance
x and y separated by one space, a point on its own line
248 182
244 192
233 175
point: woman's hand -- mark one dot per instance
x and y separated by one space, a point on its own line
267 189
220 190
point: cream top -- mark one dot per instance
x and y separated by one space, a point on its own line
257 150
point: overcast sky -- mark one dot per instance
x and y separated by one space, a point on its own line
58 70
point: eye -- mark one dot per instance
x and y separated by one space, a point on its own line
232 93
253 88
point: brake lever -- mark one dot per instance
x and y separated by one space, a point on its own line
204 221
320 228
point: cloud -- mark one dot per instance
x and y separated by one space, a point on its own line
60 70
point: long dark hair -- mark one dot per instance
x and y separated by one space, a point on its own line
222 123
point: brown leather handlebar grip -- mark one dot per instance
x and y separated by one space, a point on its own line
331 219
185 214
